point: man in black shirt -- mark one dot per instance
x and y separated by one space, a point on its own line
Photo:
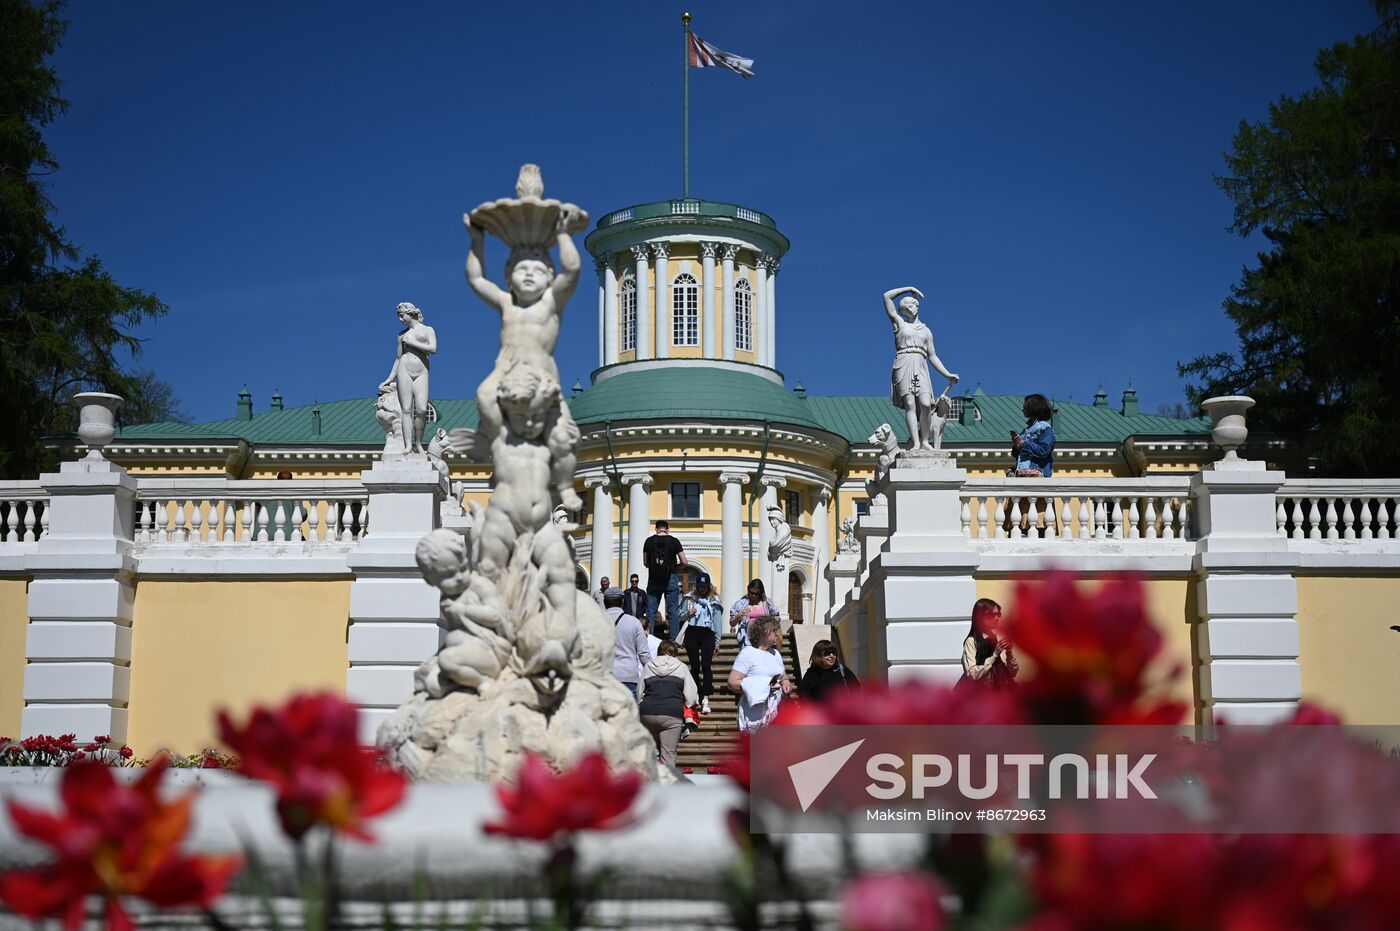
662 552
634 601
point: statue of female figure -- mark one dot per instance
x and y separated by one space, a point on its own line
909 381
410 375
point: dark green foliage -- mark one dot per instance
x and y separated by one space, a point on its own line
1317 318
65 324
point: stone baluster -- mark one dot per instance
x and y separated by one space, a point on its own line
296 521
966 518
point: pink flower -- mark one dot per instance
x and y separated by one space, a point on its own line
901 901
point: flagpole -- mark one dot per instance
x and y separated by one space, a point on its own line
685 108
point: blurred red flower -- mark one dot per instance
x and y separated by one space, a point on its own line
898 901
111 840
909 703
1089 653
543 804
308 749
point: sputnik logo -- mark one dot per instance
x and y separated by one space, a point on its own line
811 777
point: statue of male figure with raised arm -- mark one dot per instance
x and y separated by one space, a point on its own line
913 353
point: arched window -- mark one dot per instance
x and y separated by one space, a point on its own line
685 310
628 311
743 316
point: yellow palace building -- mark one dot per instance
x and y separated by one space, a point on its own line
137 597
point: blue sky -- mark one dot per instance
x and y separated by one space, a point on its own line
283 175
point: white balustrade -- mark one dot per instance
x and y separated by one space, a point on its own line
198 512
24 512
1073 509
1330 510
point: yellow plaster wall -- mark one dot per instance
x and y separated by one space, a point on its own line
1349 654
201 646
14 627
1171 606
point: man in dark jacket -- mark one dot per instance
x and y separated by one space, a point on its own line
634 601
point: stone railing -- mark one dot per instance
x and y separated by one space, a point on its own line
218 511
24 512
1150 508
1338 509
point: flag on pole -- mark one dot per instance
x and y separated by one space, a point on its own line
705 55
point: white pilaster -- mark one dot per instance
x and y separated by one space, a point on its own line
727 252
78 642
602 314
1247 636
610 330
603 559
760 311
820 532
644 314
732 581
638 519
707 301
771 484
770 316
394 620
662 253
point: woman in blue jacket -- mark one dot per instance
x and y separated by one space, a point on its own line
703 614
1034 447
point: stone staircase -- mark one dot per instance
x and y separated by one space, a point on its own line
720 728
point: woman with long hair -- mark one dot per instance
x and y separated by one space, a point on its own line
987 657
826 675
752 606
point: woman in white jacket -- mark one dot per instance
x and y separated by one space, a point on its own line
664 693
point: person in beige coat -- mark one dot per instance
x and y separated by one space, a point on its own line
664 693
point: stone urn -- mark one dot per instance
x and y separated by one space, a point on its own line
1227 426
97 420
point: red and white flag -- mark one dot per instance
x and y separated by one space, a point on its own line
705 55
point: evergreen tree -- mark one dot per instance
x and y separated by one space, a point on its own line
64 322
1317 318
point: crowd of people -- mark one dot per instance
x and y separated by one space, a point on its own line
672 695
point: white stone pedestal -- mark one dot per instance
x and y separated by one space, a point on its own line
1247 637
920 585
78 645
393 611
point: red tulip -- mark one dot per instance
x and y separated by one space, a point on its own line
1090 653
544 804
309 751
902 901
112 840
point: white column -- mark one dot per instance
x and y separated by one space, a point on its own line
78 642
394 616
771 484
733 563
610 334
770 315
707 300
644 318
603 560
820 536
638 519
760 312
726 255
1247 639
662 252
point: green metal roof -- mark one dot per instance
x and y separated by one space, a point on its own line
689 394
343 423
